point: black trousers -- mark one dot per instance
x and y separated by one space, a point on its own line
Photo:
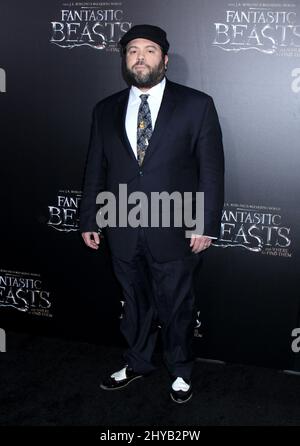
158 294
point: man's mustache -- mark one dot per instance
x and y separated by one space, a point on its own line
140 63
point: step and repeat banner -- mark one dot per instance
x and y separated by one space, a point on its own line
57 59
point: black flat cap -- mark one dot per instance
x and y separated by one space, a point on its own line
150 32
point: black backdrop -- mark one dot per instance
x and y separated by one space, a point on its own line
57 60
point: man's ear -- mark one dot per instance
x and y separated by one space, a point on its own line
166 61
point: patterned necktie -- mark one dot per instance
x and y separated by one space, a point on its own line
144 128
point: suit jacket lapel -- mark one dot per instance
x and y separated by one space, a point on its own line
121 109
166 110
168 105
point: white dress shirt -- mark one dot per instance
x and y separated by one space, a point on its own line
154 100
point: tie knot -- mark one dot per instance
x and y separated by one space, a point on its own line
144 97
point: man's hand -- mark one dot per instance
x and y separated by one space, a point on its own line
91 239
199 243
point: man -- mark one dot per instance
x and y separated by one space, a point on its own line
152 137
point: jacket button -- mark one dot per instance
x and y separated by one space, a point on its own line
141 173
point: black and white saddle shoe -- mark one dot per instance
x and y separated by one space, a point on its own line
120 379
181 391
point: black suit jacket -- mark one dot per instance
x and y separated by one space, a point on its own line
185 154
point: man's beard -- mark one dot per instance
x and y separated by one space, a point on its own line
147 79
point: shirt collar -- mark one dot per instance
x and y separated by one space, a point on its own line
156 92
